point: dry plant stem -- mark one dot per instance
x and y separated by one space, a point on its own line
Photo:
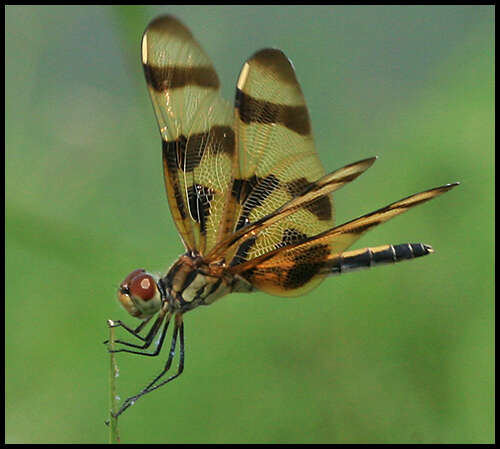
114 436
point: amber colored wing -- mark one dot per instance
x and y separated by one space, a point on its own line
294 269
315 191
196 127
277 158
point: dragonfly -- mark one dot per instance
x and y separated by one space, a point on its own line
249 196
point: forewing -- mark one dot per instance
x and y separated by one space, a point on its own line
277 157
292 270
196 127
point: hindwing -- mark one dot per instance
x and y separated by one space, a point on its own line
297 268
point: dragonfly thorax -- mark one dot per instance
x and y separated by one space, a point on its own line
191 282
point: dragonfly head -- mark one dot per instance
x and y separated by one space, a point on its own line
140 295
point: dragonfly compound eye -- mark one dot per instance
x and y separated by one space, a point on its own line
139 294
143 286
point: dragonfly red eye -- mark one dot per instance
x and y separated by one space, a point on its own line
143 286
139 294
127 281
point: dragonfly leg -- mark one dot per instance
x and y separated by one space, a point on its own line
149 338
178 330
134 332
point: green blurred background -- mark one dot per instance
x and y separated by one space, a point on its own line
396 354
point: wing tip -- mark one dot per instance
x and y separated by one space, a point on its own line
447 187
273 59
168 24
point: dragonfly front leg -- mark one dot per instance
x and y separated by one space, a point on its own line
135 332
178 330
149 338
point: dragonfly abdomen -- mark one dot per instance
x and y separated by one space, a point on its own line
371 257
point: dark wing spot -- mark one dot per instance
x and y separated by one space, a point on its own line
252 110
169 26
222 140
243 187
321 207
243 250
174 77
299 186
199 198
189 151
275 61
292 236
307 264
170 169
254 191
